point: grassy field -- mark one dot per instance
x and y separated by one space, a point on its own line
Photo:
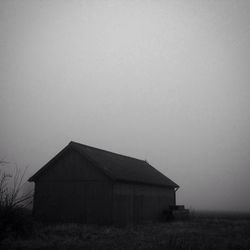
201 231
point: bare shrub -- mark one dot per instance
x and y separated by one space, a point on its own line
14 218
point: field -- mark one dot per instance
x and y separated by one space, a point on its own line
200 231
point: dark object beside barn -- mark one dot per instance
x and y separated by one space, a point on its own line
89 185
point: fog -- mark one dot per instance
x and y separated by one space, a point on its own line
165 81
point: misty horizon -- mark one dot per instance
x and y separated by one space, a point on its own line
162 81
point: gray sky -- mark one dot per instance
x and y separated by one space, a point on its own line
166 81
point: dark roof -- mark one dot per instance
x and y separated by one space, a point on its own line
117 166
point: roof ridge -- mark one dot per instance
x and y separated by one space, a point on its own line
106 151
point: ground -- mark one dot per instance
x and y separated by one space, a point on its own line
201 231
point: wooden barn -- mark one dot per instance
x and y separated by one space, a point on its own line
89 185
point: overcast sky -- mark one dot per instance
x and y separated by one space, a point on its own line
165 81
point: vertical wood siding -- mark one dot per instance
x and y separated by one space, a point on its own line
137 202
85 202
73 190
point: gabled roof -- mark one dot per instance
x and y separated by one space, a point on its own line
117 167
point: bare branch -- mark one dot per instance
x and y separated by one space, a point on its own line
11 187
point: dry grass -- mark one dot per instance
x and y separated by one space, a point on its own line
201 231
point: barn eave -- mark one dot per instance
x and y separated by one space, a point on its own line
174 185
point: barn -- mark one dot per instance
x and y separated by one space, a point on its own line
90 185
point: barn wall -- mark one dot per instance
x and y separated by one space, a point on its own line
73 190
136 202
85 202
